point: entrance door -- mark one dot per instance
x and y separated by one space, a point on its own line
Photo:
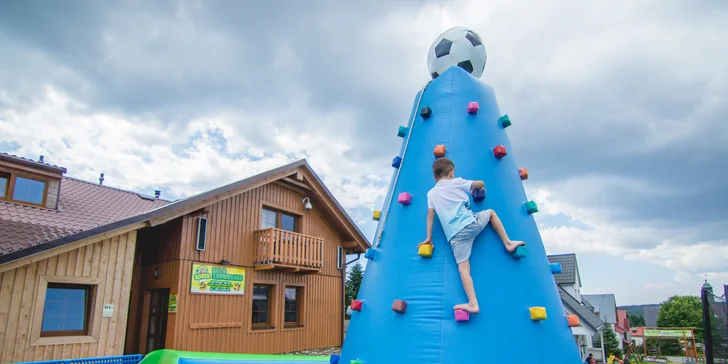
157 323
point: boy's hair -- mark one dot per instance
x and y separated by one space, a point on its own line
442 167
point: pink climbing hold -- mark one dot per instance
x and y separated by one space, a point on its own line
473 107
462 315
404 198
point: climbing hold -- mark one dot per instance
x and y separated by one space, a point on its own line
473 107
520 252
439 151
425 250
399 306
573 320
555 268
523 172
376 215
369 254
402 131
356 305
537 313
396 162
499 151
479 194
505 121
462 315
531 207
357 361
404 198
334 359
426 112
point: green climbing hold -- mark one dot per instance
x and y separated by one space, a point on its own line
531 207
505 121
402 131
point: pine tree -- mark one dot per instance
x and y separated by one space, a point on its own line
353 281
610 342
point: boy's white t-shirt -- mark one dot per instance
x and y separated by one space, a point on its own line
451 200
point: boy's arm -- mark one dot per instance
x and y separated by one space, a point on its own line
430 220
476 185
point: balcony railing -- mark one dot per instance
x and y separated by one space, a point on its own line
282 249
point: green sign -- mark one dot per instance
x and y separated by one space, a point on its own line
666 333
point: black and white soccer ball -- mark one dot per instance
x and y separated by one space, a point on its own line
458 46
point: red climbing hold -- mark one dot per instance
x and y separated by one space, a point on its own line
499 151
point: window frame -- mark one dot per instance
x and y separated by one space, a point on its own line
94 311
280 211
300 306
89 291
272 324
10 189
7 176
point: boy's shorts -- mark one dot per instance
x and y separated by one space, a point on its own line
462 242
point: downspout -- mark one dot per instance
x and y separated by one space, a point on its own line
358 255
343 295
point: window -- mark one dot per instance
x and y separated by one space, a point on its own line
292 307
4 179
28 190
18 188
278 219
262 303
66 310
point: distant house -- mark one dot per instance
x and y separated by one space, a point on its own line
637 335
87 270
605 306
568 283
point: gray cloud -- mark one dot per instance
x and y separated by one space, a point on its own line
614 115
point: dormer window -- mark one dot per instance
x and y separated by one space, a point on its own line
29 190
23 189
28 182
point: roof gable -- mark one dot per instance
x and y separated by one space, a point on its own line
604 304
569 268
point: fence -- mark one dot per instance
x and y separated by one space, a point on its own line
715 326
123 359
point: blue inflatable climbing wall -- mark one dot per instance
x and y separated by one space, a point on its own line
508 289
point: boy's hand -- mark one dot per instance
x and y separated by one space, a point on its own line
427 241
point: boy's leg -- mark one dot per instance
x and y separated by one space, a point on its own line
510 245
462 244
472 305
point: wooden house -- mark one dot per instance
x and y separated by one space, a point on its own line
86 270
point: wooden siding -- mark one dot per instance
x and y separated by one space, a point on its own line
222 323
108 262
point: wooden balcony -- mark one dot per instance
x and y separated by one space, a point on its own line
289 251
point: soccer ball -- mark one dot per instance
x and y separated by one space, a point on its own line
458 46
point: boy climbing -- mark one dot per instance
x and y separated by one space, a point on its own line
449 199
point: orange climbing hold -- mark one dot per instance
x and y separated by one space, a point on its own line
440 151
573 320
523 172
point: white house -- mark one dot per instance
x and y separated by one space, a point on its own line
605 306
568 283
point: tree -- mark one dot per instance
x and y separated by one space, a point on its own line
611 344
682 311
636 320
353 281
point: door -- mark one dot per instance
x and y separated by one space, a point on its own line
157 323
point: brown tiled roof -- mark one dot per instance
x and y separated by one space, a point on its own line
82 206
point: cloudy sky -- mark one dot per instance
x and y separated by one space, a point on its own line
620 109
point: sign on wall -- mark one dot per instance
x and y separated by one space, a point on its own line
172 306
217 279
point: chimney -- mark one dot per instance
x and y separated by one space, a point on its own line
157 193
40 159
101 179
